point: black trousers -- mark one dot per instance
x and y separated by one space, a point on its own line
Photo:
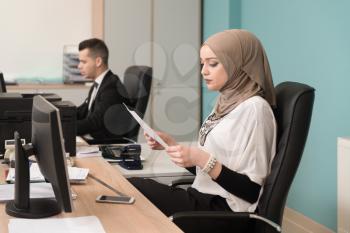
171 200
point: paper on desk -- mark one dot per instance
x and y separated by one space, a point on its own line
77 174
146 128
37 190
74 173
34 171
88 151
88 224
88 155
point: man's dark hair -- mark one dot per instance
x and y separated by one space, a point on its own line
96 47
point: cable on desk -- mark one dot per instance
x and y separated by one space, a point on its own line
106 185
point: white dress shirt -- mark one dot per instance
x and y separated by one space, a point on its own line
98 80
244 141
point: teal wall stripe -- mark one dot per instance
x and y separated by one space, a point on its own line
217 16
235 13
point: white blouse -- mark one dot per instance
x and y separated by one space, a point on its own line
244 141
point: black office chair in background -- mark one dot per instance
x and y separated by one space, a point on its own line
137 81
293 116
2 84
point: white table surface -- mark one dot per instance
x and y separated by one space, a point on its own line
157 164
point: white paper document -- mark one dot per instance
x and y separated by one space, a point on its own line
88 151
75 174
146 128
37 190
88 224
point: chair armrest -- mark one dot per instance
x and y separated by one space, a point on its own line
181 181
232 216
209 215
267 221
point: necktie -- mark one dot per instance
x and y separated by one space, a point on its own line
93 94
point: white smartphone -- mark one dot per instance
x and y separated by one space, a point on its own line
115 199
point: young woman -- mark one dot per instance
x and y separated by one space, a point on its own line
236 142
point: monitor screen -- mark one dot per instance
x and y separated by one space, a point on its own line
47 146
2 84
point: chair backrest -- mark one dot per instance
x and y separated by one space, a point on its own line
137 81
2 84
293 116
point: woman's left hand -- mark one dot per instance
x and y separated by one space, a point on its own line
187 156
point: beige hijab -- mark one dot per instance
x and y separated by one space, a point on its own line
247 67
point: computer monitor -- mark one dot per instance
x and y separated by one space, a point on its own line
2 84
47 146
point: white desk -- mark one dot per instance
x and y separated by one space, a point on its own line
157 165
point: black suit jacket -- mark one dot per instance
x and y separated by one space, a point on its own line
107 116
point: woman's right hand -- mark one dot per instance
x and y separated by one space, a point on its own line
170 141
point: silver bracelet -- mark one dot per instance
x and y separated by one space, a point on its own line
210 164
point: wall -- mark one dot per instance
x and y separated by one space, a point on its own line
216 17
308 42
153 34
127 29
33 34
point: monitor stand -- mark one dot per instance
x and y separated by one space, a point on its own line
22 206
37 208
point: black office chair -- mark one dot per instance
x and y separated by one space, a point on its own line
137 81
2 84
293 116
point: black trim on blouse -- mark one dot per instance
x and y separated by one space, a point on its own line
238 185
192 169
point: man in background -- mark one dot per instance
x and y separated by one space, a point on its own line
101 115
